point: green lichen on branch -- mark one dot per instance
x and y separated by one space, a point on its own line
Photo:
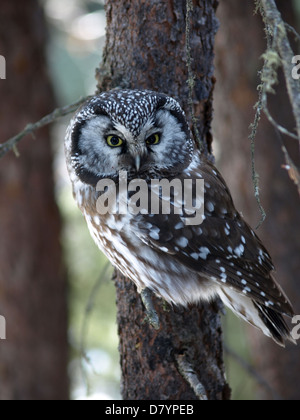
278 55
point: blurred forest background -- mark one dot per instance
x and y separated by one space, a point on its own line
76 36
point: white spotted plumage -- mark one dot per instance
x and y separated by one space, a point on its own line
181 263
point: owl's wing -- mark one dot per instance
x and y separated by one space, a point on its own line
223 248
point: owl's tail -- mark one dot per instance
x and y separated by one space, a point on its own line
269 321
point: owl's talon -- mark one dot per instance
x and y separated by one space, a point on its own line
186 370
152 316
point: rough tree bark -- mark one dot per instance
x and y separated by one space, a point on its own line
238 61
33 359
145 48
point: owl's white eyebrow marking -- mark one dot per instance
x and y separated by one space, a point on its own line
127 134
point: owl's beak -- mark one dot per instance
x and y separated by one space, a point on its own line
137 163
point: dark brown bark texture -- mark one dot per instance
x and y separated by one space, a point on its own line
240 44
145 49
33 359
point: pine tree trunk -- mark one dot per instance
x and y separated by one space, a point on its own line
238 61
145 49
33 359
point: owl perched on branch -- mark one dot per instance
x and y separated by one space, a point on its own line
145 135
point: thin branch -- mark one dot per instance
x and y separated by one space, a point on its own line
11 144
255 176
279 127
277 28
252 372
279 54
293 31
291 168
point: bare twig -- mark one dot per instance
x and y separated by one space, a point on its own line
252 372
11 144
277 29
293 31
255 176
291 168
279 54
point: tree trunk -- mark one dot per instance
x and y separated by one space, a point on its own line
33 359
145 49
238 61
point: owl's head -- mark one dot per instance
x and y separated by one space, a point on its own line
140 132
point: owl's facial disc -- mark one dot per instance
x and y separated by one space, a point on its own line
127 138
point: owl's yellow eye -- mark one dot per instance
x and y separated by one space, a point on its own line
114 141
153 140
